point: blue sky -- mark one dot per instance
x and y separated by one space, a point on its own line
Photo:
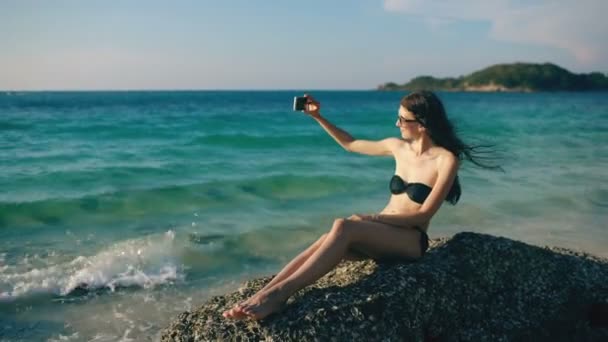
315 44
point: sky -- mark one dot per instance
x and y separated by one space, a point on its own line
267 45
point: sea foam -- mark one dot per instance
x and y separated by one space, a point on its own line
144 262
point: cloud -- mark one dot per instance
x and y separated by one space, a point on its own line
578 26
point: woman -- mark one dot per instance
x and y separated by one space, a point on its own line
427 158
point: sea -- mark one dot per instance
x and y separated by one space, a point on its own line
121 209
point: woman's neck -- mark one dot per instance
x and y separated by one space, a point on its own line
421 146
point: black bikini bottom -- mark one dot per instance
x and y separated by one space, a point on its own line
424 240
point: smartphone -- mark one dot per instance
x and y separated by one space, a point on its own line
299 103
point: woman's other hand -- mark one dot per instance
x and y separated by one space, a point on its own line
361 217
312 107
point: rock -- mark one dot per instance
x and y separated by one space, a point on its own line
471 287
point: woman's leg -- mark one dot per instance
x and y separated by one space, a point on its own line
289 269
372 238
296 262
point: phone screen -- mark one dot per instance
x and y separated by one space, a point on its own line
299 103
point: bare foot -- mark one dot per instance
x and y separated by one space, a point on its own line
236 312
265 304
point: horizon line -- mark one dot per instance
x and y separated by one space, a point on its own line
180 89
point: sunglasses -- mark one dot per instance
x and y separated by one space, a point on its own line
403 121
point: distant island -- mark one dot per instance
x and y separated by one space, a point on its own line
514 77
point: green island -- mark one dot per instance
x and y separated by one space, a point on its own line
514 77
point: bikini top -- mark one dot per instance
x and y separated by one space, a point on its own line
417 192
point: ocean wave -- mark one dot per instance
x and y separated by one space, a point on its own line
597 196
13 126
247 141
144 263
78 172
170 199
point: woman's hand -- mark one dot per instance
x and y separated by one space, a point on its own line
361 217
312 107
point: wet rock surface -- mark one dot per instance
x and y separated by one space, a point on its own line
471 287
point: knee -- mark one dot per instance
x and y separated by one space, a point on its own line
338 227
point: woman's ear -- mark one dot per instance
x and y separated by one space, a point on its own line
421 129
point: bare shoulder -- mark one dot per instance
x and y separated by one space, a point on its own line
393 142
447 159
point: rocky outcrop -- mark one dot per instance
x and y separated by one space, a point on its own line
513 77
471 287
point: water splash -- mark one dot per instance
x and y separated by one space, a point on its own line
145 262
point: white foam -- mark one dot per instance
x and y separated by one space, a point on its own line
145 262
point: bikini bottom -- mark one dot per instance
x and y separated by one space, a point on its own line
424 240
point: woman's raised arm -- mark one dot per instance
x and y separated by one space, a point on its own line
383 147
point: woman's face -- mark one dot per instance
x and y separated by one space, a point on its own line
407 123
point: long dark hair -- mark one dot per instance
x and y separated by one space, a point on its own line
429 111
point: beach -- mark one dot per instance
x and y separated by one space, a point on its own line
120 210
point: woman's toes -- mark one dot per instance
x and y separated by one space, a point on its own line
237 311
231 313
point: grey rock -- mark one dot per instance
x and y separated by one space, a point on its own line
471 287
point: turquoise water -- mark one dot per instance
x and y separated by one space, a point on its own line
119 210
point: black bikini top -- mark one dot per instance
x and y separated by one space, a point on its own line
417 192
